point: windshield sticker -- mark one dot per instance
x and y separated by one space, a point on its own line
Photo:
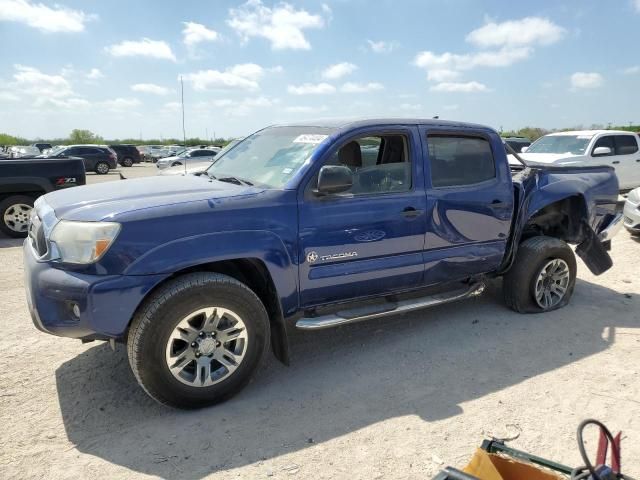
310 138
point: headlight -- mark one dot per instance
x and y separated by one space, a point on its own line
83 242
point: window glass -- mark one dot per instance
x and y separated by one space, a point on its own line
626 144
457 161
569 144
380 164
606 141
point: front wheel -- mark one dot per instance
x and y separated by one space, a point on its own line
198 340
542 277
102 168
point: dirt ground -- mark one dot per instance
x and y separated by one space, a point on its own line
396 398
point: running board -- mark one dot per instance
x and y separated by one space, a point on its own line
359 314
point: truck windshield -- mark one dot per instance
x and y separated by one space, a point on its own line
271 156
571 144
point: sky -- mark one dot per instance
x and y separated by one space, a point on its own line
114 66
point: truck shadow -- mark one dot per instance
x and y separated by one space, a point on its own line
424 364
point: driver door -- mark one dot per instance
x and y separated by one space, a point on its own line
367 241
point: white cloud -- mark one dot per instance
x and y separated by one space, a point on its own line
150 88
442 75
194 33
352 87
586 80
339 70
527 31
32 81
381 46
9 97
636 5
119 104
282 25
56 18
94 74
632 70
311 89
142 48
73 103
243 76
461 87
451 61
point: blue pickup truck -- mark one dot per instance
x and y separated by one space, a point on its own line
306 226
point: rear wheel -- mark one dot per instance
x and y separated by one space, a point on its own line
198 340
102 168
127 162
542 277
14 215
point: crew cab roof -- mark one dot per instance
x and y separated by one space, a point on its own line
590 132
342 123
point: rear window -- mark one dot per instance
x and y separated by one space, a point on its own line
458 161
626 144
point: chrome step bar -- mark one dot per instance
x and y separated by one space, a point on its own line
402 306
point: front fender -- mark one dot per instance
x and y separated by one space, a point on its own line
197 250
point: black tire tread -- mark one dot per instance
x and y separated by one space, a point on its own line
143 320
530 253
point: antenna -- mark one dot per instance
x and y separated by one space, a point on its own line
184 134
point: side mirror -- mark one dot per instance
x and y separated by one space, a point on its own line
601 152
524 149
334 179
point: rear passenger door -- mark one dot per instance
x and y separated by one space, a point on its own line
469 203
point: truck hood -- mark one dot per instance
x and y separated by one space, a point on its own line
548 157
107 200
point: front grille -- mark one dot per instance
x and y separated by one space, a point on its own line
36 236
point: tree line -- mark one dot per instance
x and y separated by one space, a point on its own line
80 136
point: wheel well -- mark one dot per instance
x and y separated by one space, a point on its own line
33 194
564 219
255 275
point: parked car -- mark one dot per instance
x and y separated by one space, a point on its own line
195 165
199 155
517 143
41 146
127 154
23 151
97 158
23 180
632 212
618 149
294 228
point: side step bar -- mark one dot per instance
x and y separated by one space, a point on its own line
359 314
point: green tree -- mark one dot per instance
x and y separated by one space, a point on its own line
84 136
6 139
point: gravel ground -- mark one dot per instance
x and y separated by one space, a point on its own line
396 398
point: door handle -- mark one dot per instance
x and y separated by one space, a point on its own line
616 162
411 212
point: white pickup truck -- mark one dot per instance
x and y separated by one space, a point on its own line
591 147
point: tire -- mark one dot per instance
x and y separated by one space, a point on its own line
154 334
14 215
127 162
102 168
526 277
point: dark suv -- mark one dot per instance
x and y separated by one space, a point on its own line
127 154
97 158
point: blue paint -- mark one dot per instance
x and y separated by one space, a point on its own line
317 250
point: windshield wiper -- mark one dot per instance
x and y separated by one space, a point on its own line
236 180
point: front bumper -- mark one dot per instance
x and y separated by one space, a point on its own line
106 302
632 216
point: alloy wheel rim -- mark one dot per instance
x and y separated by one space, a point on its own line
552 283
103 168
16 217
206 346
